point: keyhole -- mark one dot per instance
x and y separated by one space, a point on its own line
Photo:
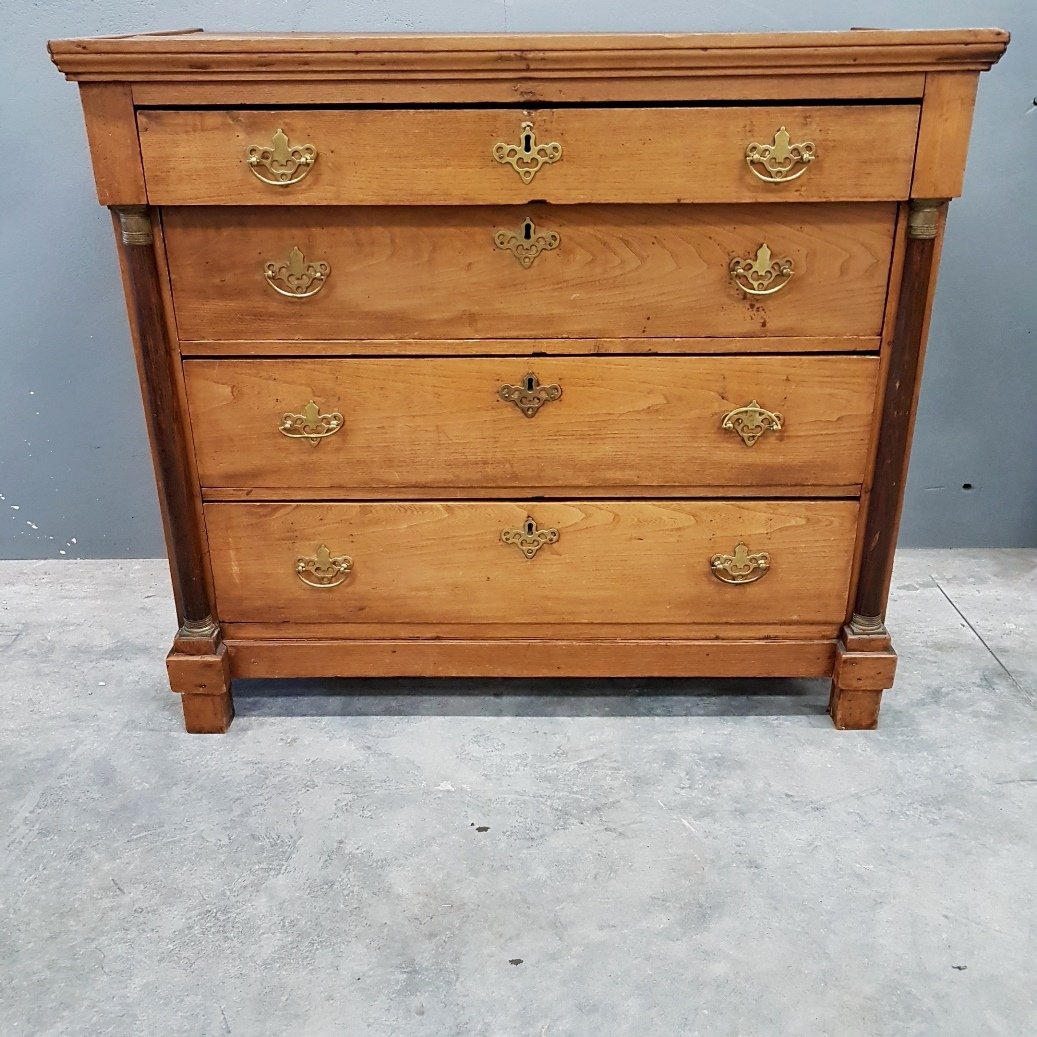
530 383
527 142
527 230
530 527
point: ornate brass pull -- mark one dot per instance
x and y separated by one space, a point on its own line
528 243
530 396
527 538
761 274
286 164
527 156
751 421
780 157
323 570
741 567
310 425
296 278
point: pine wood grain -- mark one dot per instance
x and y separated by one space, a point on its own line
497 657
576 631
652 421
618 271
943 135
444 157
522 58
614 562
541 346
683 86
111 129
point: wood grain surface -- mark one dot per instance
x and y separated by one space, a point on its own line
619 271
445 157
653 422
440 59
558 657
614 562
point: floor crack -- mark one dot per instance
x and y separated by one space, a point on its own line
1027 694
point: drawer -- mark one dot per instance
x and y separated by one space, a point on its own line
450 157
585 271
367 425
638 562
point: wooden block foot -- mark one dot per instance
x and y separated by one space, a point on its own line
199 671
207 714
854 710
864 668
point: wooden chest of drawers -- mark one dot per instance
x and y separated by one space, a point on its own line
530 355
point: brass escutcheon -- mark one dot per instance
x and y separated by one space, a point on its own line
761 274
751 421
286 163
530 396
323 570
527 243
527 156
741 567
295 278
310 425
780 158
527 538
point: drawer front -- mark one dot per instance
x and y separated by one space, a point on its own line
585 271
648 562
478 157
591 422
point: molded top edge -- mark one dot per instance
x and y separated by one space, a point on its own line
195 54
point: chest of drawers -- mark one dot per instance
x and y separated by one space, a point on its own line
530 355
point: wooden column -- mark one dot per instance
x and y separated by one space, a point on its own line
865 661
197 664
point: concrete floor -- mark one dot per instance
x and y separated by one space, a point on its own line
502 858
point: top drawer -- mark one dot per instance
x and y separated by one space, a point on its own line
510 156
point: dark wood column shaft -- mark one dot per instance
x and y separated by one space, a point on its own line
887 489
167 421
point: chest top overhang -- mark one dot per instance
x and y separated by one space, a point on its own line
193 55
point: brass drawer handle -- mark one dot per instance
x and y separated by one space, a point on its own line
761 274
527 538
295 278
285 163
527 243
530 395
310 425
323 570
751 421
527 156
780 158
741 567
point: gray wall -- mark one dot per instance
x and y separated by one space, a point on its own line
75 477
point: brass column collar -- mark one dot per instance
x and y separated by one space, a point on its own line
924 218
867 626
135 224
198 629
